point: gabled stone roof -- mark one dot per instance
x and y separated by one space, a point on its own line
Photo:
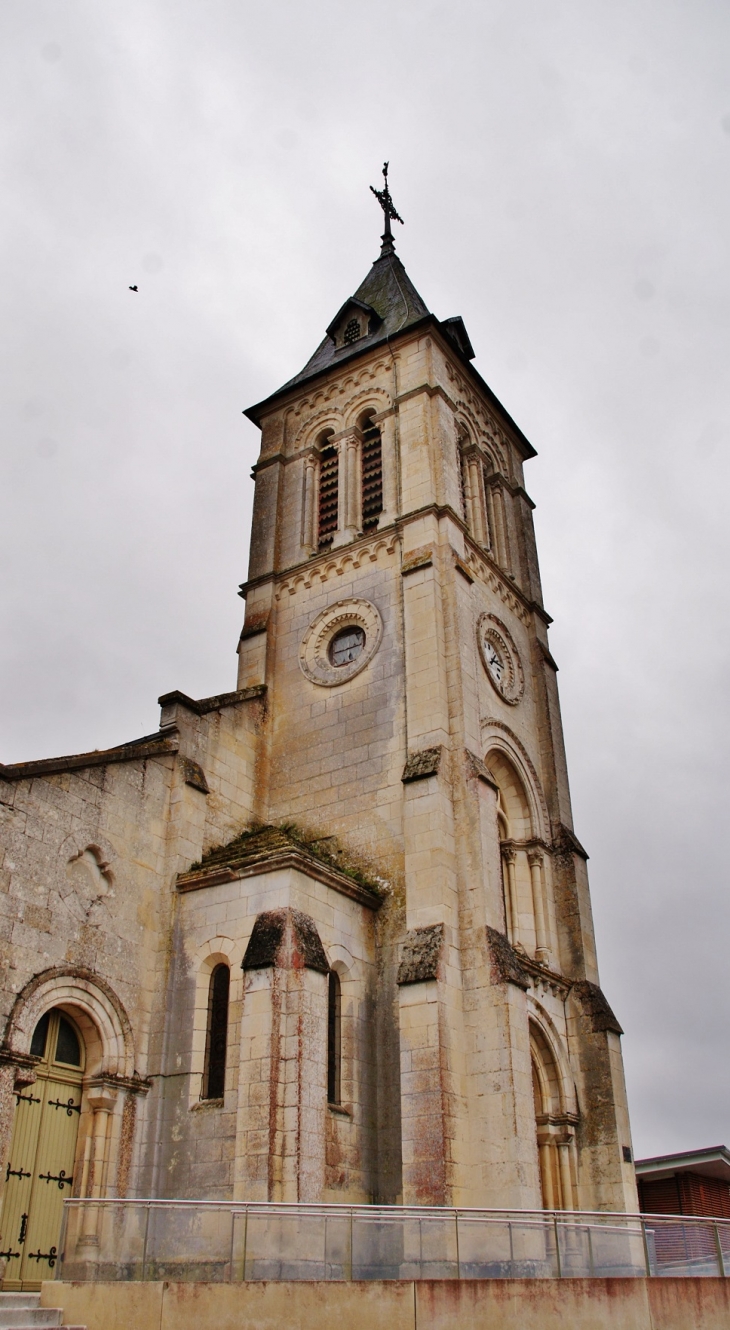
265 849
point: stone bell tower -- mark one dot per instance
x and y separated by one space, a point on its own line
395 619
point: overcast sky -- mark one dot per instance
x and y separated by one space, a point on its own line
563 171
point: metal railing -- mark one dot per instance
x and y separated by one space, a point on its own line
224 1242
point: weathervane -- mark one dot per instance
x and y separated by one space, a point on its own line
386 203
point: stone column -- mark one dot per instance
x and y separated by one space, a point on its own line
475 500
101 1100
542 943
280 1133
500 524
309 498
566 1181
509 859
348 492
545 1151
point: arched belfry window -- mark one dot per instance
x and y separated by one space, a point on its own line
334 1038
372 473
328 491
214 1079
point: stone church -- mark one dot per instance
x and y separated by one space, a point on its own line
327 936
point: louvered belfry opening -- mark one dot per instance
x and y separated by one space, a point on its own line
372 474
328 485
216 1044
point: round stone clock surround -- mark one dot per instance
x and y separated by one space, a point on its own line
314 653
500 658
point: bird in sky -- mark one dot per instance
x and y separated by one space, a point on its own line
134 288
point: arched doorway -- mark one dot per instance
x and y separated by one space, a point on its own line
43 1149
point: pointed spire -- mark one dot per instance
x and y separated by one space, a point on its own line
386 203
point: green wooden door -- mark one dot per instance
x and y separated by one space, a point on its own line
43 1149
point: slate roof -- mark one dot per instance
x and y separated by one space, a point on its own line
390 292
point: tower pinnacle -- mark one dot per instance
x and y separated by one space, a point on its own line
386 203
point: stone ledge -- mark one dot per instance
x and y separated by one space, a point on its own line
507 967
421 954
269 849
422 764
420 558
271 930
596 1007
150 746
205 704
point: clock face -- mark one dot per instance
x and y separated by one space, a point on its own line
500 659
495 664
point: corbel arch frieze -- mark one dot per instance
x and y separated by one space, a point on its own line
88 998
321 396
376 398
325 570
308 432
497 734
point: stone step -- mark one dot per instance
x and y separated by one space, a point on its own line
41 1318
20 1300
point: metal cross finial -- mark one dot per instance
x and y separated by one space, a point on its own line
386 203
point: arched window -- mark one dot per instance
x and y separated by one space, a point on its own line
527 908
328 490
214 1079
372 473
554 1129
334 1038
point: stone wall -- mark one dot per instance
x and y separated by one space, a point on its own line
491 1304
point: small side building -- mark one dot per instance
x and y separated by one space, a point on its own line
696 1182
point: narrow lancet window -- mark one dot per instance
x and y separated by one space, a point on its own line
328 486
334 1039
214 1079
372 475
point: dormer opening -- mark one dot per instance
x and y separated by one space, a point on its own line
352 333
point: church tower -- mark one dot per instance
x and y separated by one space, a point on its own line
326 937
394 618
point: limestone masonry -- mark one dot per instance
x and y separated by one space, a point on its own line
328 936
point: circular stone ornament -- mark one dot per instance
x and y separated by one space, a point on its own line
500 659
329 654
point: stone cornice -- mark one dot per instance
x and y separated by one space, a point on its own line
477 560
199 878
155 746
111 1081
544 974
203 705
